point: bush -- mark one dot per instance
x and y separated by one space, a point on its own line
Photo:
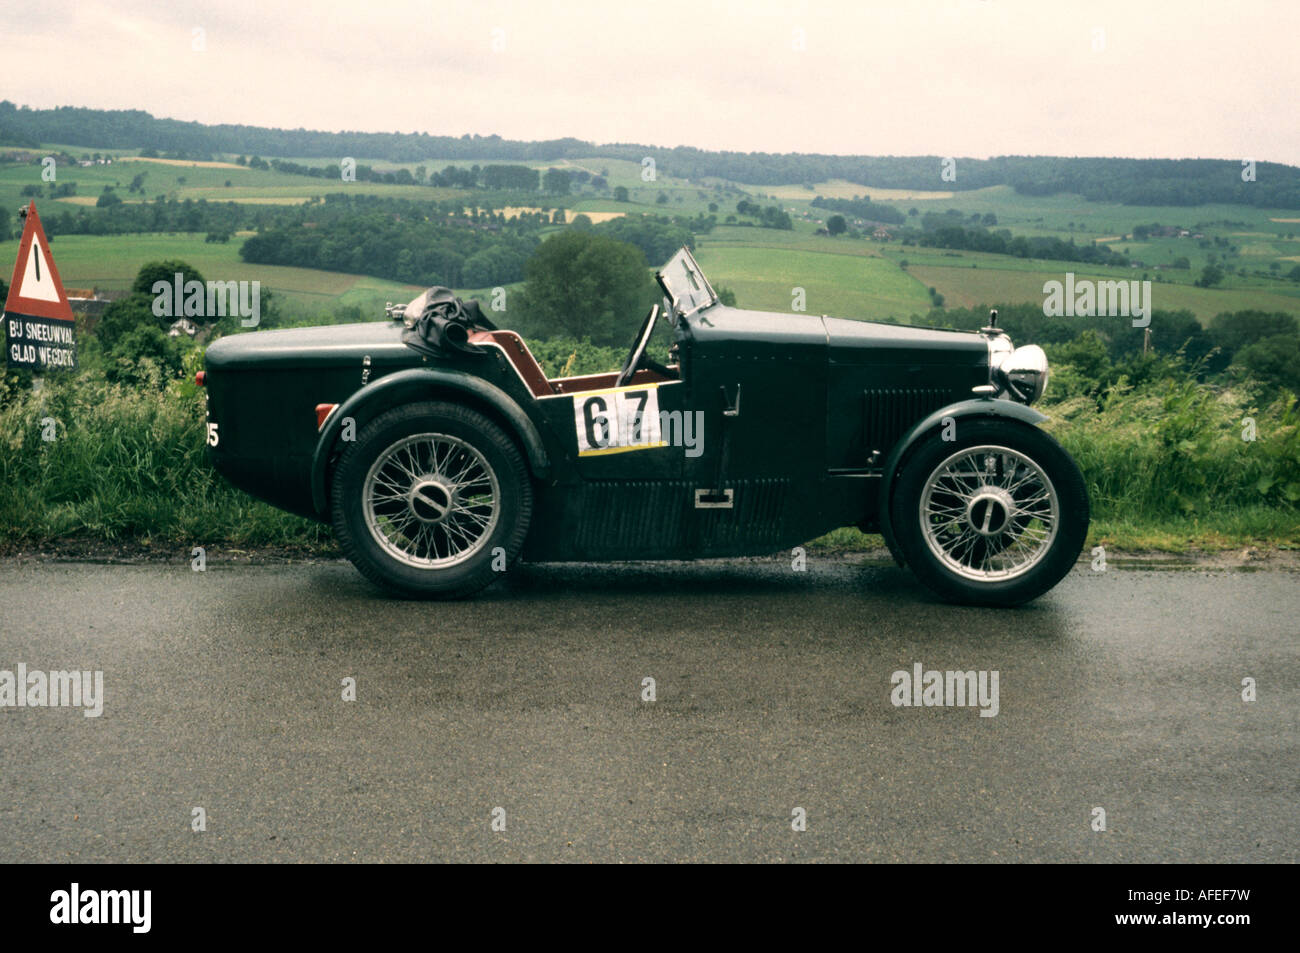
1274 361
1172 447
126 463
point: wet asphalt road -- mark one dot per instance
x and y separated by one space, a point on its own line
1119 690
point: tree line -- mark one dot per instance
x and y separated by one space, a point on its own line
1130 181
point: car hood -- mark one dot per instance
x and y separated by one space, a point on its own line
869 342
330 344
843 340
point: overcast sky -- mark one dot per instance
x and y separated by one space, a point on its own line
943 77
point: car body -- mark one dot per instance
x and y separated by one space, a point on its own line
443 454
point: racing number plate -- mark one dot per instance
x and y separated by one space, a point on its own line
617 420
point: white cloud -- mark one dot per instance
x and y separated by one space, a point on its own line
946 77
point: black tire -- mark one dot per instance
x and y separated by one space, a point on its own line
965 506
486 514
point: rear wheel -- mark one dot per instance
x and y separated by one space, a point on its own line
996 517
431 501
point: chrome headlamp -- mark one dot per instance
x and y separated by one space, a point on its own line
1022 374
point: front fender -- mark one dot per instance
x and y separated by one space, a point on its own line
975 407
420 384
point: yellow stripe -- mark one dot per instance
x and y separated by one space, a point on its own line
605 451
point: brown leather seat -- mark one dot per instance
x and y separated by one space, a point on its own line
517 352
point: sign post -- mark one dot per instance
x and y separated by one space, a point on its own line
39 327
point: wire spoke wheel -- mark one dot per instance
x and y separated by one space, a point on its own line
989 513
431 501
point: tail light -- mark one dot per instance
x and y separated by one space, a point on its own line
201 378
323 412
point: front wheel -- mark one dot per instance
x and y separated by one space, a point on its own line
996 517
431 501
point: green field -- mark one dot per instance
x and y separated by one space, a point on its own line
852 285
110 262
852 277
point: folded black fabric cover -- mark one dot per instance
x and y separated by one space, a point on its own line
445 325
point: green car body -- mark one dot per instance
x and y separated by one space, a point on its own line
771 428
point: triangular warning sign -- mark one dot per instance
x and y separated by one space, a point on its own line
36 290
39 327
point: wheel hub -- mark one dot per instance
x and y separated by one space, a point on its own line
988 510
430 499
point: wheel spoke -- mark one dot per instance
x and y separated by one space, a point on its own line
431 501
989 513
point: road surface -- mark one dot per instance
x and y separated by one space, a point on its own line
527 709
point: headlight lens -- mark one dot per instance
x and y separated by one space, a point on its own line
1023 373
1000 348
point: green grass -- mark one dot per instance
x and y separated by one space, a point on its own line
851 285
126 465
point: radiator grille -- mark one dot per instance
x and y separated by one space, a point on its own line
889 412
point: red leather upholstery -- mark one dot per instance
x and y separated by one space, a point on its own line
517 351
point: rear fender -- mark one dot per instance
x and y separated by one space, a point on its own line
422 384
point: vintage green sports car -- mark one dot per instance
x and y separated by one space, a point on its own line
442 453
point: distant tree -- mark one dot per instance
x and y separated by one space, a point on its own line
1274 360
726 296
510 178
713 206
556 182
108 198
586 285
661 198
836 225
620 193
1233 331
1211 275
165 270
581 222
